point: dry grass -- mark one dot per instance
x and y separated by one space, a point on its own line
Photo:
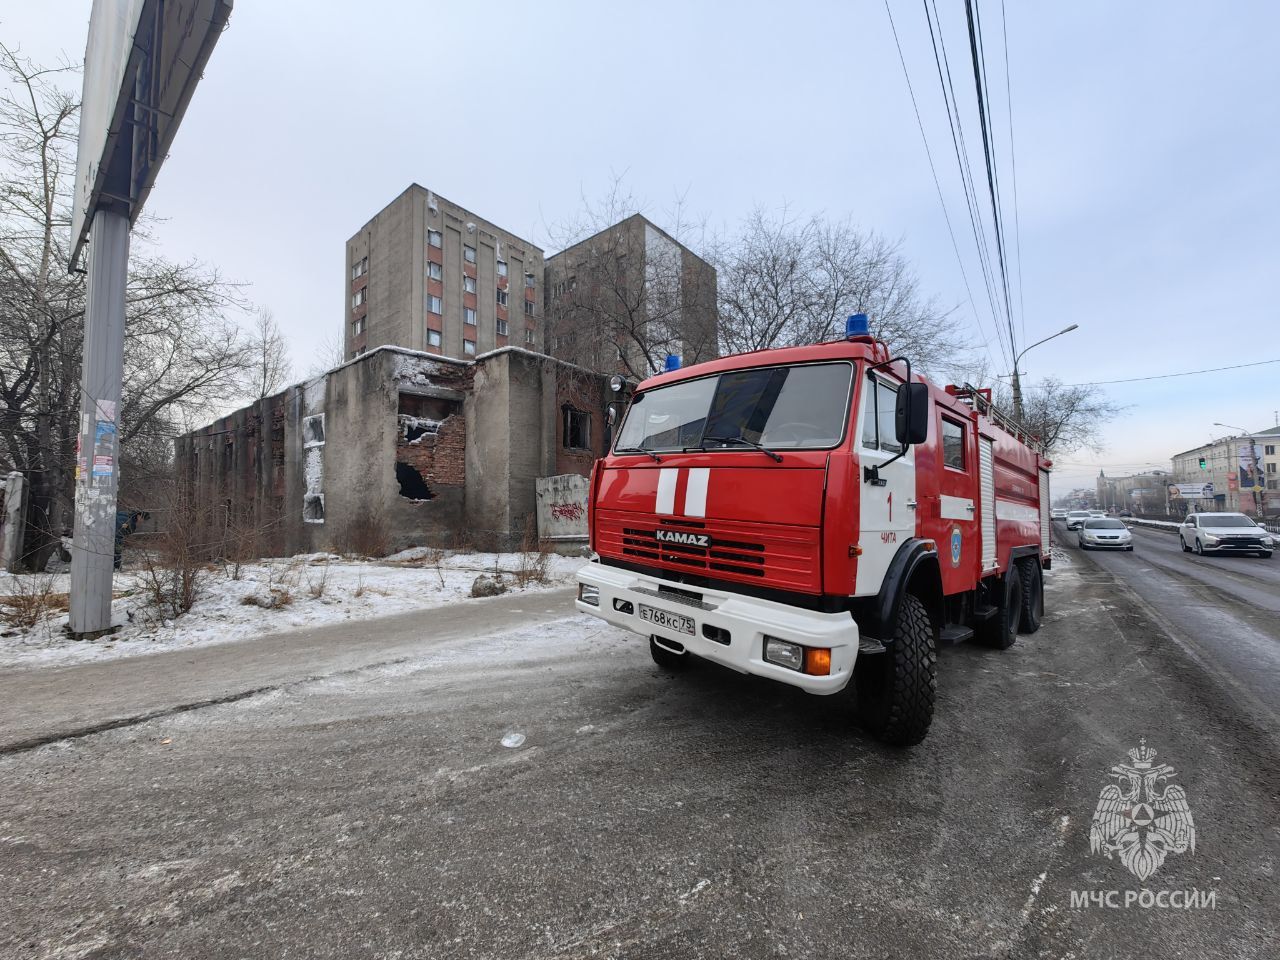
32 601
533 562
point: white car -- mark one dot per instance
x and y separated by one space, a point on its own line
1224 533
1058 515
1105 533
1075 518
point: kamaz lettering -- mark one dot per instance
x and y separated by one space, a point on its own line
679 536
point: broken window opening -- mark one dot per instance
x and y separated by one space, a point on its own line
313 508
415 428
412 484
313 430
577 429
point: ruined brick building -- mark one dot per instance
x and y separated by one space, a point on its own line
399 448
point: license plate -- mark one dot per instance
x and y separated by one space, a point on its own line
671 621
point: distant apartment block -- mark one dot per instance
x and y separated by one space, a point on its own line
427 274
624 298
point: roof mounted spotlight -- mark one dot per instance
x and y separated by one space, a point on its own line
616 383
857 326
672 363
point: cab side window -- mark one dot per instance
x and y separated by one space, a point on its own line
952 444
880 405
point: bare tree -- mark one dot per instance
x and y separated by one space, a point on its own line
784 281
329 353
625 294
271 367
181 353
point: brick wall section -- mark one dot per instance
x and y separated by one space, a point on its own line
441 459
586 393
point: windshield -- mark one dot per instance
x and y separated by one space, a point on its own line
1078 513
776 407
1226 521
1104 525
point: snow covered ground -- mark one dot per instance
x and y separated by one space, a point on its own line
303 591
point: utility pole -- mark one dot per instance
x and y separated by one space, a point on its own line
97 460
1017 382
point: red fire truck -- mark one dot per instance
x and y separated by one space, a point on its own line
821 516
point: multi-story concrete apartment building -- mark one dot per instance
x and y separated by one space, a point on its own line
626 297
1244 471
427 274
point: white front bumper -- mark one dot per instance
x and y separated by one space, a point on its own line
747 620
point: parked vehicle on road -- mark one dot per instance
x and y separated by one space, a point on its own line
1224 533
820 516
1075 518
1105 533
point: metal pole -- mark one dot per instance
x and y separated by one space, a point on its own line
1017 396
97 460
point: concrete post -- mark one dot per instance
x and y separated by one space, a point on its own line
13 521
97 462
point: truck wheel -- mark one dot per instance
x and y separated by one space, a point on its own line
1001 631
1032 597
666 659
895 690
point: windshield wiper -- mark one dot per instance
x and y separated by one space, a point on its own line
647 453
702 445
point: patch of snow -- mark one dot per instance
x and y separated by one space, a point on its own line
312 590
513 740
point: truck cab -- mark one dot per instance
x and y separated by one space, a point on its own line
820 516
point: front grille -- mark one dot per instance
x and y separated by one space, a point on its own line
724 556
786 557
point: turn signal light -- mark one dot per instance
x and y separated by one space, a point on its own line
817 661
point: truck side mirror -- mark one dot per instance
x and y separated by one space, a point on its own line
911 418
613 414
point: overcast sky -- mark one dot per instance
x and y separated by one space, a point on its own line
1147 141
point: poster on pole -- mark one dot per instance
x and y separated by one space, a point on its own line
1250 466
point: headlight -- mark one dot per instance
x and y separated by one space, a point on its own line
589 594
1267 541
1209 538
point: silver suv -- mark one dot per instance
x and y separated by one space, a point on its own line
1224 533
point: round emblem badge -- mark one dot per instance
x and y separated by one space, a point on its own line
957 541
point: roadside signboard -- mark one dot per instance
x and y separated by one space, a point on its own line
1191 491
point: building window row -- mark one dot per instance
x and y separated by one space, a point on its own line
433 338
434 304
502 268
469 347
360 268
502 297
469 253
469 315
469 284
357 328
502 328
435 238
360 296
529 281
434 270
528 337
529 308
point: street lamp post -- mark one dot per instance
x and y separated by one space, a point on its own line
1017 383
1253 455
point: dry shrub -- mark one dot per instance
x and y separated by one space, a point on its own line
317 583
174 564
369 537
533 562
280 588
31 602
464 541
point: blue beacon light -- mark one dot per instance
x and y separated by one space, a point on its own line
672 363
857 326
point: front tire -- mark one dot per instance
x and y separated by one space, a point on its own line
895 690
667 660
1185 548
1199 548
1032 596
1001 631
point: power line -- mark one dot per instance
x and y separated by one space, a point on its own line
988 144
1166 376
1013 163
937 185
942 63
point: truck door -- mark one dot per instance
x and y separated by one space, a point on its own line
886 511
957 530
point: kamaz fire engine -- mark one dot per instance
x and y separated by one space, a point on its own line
821 516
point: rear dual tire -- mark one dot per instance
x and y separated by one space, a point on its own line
1000 632
1032 595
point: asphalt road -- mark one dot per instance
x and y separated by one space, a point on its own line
1225 610
376 813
